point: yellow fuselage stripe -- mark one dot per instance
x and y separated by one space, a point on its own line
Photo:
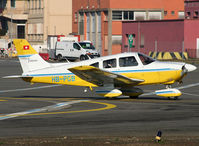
158 77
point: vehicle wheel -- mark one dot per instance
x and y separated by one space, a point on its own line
176 98
82 57
59 57
133 97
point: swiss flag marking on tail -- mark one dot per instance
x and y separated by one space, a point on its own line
26 47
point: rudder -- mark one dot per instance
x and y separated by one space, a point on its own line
23 47
29 58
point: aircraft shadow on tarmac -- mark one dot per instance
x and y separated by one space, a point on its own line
98 98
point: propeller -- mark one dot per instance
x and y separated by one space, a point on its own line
184 70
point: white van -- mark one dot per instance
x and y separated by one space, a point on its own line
75 50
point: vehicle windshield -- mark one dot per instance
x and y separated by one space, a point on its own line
145 59
87 45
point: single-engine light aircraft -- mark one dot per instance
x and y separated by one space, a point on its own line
113 75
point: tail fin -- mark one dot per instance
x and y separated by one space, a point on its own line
29 58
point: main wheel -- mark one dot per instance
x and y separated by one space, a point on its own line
174 98
133 97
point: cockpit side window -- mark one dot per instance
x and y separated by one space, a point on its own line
145 59
111 63
95 64
128 61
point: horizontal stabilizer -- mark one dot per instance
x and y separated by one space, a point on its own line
16 76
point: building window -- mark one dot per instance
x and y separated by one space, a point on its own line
123 15
21 31
81 23
105 15
196 14
165 13
12 3
32 1
3 3
35 4
39 4
75 17
128 15
117 15
181 15
131 15
172 12
188 14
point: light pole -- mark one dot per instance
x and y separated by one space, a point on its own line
11 31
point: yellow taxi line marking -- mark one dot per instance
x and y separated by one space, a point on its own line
44 99
3 100
27 113
108 106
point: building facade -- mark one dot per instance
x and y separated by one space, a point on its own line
191 9
14 15
153 36
35 20
191 31
101 20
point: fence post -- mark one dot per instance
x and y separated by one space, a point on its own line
182 50
156 49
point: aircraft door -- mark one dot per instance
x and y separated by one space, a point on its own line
128 66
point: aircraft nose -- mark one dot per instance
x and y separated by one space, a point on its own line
190 67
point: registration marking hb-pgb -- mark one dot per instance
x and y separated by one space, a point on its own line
56 79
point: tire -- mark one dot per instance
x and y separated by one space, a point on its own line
59 57
82 57
133 97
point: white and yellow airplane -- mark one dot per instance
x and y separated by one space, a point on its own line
112 76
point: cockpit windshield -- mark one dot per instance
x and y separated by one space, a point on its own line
87 45
145 59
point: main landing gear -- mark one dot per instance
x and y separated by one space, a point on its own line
133 97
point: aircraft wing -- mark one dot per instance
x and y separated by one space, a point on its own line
102 77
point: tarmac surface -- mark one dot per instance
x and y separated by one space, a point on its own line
43 110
